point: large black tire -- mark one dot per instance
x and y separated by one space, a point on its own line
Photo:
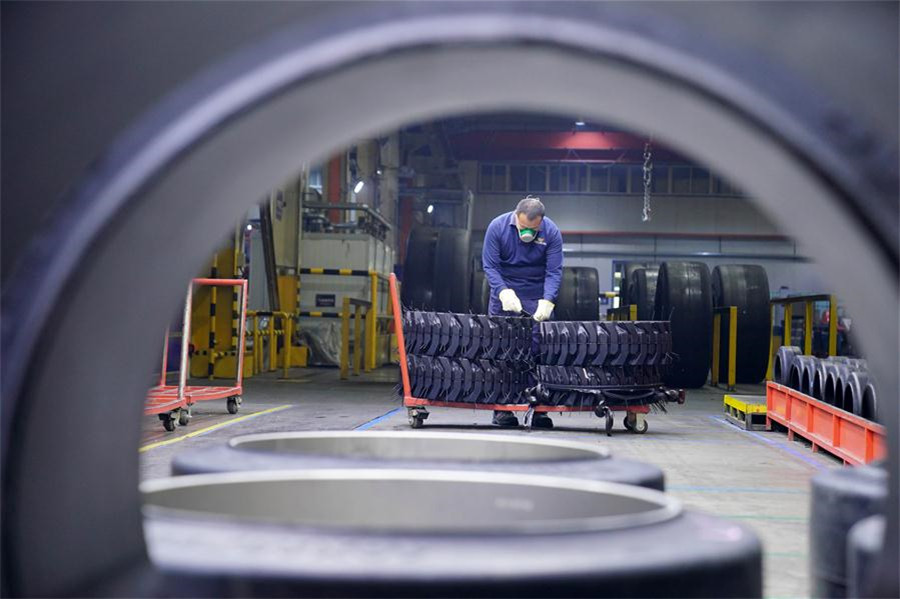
683 296
579 294
642 291
418 451
870 403
747 287
478 300
784 359
451 271
417 291
840 498
368 539
865 546
803 371
435 274
780 107
854 390
625 292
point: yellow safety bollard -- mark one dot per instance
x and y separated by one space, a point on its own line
732 347
808 328
357 339
345 339
832 326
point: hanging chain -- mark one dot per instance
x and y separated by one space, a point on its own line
648 180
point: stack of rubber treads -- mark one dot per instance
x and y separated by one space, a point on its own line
469 358
586 362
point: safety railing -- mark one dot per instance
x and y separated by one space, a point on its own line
376 325
273 334
358 307
808 302
731 312
628 312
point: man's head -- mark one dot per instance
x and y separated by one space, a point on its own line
529 214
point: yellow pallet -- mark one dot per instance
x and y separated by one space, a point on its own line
749 411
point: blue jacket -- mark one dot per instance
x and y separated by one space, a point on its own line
533 270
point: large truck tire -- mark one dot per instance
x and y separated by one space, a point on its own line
642 291
443 533
417 451
745 286
683 295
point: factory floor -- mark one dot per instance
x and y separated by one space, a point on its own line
757 478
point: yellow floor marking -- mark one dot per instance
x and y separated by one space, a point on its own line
209 428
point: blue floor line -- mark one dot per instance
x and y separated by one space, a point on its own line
375 421
783 446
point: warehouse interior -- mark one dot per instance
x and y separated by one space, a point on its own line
317 355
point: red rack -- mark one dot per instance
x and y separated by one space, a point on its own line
172 403
416 407
851 438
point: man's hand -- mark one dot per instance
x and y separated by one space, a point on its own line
544 309
510 301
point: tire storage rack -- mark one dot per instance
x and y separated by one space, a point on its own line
829 402
579 374
172 403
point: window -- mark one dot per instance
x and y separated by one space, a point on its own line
537 178
577 177
599 179
681 179
636 179
660 179
499 177
487 177
555 179
518 176
315 179
618 179
700 181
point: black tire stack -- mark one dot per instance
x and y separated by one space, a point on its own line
468 358
583 363
684 297
579 294
436 270
839 381
745 286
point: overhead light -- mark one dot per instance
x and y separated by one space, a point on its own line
579 123
430 208
378 172
249 227
359 185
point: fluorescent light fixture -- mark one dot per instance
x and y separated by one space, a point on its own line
378 172
430 208
359 185
249 227
579 123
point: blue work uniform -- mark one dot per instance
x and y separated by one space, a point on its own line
533 270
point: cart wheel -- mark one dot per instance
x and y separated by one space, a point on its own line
610 420
628 423
170 423
641 427
184 417
233 405
415 421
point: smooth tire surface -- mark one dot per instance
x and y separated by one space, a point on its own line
683 295
370 450
840 498
865 544
579 294
364 521
417 291
478 299
745 286
642 291
870 403
854 389
450 274
784 359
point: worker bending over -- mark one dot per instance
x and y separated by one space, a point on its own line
522 258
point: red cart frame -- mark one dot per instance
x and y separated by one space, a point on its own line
416 407
172 403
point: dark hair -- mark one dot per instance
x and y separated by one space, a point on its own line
531 207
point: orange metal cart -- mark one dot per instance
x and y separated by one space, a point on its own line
172 403
417 407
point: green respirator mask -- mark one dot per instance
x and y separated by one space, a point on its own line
527 235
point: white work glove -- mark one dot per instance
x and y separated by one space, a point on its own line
544 309
510 301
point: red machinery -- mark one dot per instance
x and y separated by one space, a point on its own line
172 403
416 407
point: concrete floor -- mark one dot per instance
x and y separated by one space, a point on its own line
757 478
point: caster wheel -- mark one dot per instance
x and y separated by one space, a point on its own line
415 421
170 423
184 417
233 405
641 427
417 418
628 424
609 424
